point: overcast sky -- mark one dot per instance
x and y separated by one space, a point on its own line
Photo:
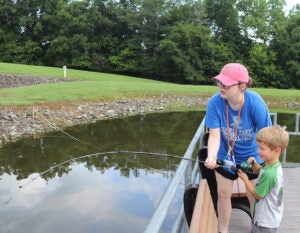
291 3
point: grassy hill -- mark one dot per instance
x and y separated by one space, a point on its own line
91 86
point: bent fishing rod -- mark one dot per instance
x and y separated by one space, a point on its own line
244 165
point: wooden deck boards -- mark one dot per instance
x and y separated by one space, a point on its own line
205 219
240 222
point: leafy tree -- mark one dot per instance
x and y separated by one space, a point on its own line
114 25
254 19
223 20
292 58
284 43
9 23
262 66
125 62
180 41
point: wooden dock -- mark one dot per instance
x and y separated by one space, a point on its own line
240 221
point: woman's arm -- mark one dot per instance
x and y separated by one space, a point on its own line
212 148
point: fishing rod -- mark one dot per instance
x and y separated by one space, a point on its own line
246 167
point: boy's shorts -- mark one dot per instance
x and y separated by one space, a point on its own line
234 176
258 229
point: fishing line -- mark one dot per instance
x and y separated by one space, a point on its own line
53 126
113 152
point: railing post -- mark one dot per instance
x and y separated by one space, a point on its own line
274 115
297 123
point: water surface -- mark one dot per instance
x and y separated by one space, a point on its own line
107 193
46 188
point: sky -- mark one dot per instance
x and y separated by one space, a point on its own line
291 3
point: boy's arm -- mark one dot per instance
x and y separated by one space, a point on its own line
250 186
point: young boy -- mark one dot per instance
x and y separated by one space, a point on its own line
268 190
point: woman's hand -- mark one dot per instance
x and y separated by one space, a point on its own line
211 162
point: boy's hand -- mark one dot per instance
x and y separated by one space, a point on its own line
251 160
242 175
254 165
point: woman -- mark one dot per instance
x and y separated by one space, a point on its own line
234 116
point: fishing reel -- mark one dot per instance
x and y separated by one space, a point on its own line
244 166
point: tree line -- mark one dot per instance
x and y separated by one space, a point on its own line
181 41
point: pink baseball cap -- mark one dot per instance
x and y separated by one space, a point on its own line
233 73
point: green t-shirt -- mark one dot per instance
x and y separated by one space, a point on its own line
268 211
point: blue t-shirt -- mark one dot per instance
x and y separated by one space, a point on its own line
254 116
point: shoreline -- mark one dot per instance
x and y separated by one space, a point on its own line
34 121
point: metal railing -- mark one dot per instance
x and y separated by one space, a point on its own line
184 170
189 174
295 133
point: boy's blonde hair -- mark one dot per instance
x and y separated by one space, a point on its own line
274 136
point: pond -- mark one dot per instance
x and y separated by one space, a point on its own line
59 183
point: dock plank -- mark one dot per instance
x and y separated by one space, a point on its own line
204 217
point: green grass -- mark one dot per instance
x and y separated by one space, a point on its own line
102 86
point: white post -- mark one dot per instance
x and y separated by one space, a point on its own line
65 71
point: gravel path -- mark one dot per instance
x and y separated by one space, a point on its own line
34 121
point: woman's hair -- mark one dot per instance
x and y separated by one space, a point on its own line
249 83
274 136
